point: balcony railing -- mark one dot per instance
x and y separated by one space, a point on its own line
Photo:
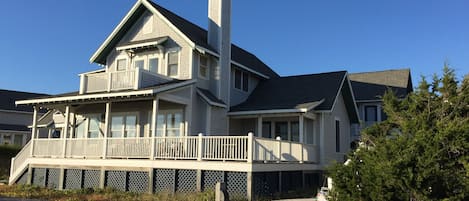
102 81
201 148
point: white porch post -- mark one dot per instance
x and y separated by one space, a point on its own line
33 130
153 127
259 126
250 147
66 130
301 132
107 115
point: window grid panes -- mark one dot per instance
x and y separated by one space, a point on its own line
153 65
203 67
238 75
245 81
173 60
121 64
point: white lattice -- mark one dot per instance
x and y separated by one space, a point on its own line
210 178
116 179
53 176
186 181
164 180
39 177
138 181
91 178
73 179
236 184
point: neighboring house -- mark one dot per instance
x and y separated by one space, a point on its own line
369 88
14 120
177 108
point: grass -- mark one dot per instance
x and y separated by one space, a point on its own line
107 194
6 153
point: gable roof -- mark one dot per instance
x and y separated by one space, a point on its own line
371 86
8 98
317 90
191 31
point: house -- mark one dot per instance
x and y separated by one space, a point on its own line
178 108
369 88
14 120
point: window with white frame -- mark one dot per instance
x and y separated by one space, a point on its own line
88 127
169 123
241 80
153 64
123 125
203 67
121 64
173 63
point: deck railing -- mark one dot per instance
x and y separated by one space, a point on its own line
213 148
101 81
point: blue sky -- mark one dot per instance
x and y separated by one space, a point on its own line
45 44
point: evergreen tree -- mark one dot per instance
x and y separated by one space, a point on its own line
421 152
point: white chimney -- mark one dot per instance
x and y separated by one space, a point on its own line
219 38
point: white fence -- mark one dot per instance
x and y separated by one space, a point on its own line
216 148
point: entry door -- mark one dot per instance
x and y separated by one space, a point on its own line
170 123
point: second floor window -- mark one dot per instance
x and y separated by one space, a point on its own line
121 64
371 113
203 67
173 63
337 136
140 63
241 80
153 65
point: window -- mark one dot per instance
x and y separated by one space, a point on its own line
123 126
139 63
203 67
266 130
281 129
241 80
153 65
238 74
295 131
371 113
337 136
173 60
121 64
93 127
88 127
245 81
169 124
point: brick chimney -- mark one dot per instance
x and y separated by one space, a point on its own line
219 38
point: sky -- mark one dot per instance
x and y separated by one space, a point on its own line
45 44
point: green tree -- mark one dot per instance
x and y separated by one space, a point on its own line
421 152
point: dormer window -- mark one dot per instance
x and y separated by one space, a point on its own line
173 63
203 67
241 80
121 64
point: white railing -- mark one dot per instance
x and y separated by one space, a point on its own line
100 81
18 163
84 148
214 148
48 148
128 147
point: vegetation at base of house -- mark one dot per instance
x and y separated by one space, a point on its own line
28 191
421 152
6 153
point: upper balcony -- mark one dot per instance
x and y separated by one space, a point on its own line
103 81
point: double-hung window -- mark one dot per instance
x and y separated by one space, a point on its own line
121 64
203 67
241 80
173 63
88 127
123 125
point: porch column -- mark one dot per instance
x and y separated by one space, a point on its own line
34 129
66 130
259 126
153 127
301 132
107 122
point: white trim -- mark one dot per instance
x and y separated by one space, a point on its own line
157 42
353 96
91 72
106 95
178 52
209 101
301 110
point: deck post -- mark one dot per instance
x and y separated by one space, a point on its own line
151 178
61 178
136 78
249 186
279 148
82 83
153 128
33 130
109 80
199 180
29 175
301 130
107 115
102 178
66 130
200 147
250 146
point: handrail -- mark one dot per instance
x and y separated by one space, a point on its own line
19 161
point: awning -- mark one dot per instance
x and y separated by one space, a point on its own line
142 44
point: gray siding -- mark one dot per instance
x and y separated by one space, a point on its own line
218 121
16 118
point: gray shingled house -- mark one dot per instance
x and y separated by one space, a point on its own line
15 119
177 108
369 88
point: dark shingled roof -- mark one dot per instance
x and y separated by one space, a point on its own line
197 35
372 85
8 98
10 127
289 92
210 96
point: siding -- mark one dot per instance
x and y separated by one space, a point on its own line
238 96
16 118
